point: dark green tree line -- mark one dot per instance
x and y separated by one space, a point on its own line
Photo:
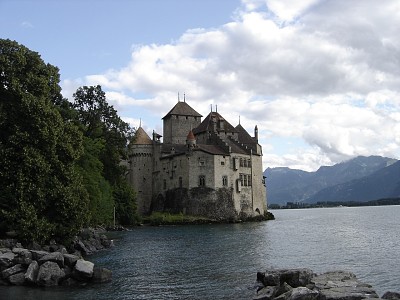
59 161
106 138
41 192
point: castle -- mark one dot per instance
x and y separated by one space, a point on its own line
207 168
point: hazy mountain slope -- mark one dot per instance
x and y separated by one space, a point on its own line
384 183
287 185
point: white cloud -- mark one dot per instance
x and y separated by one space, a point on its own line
27 25
326 72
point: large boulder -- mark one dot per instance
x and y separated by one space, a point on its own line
22 256
56 257
83 270
293 277
49 274
12 270
17 279
391 296
38 254
302 284
101 275
6 259
70 260
303 293
342 285
32 272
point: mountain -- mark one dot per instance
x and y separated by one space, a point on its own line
384 183
288 185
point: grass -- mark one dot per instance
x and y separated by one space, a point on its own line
164 218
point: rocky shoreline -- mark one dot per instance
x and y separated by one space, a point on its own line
53 264
304 284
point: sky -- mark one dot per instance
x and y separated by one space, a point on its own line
320 78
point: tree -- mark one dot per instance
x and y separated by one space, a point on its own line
41 194
101 124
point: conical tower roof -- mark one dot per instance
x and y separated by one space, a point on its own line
190 136
141 137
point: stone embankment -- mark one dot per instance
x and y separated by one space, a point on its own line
304 284
53 264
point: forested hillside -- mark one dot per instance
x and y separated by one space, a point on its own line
59 158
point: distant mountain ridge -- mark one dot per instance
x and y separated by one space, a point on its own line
333 182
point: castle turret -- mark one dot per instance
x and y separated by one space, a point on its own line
190 140
141 168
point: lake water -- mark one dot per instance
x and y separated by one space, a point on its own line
221 261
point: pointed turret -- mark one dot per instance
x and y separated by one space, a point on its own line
141 137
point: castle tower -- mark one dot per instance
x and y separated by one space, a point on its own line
178 122
141 168
190 140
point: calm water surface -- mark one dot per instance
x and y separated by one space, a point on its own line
221 261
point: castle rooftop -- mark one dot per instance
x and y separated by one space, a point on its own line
182 109
141 137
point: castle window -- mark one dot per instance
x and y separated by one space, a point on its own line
202 180
249 180
224 180
180 182
241 162
249 163
165 184
245 180
202 163
241 179
222 163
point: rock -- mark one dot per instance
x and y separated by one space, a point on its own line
37 254
302 284
282 289
6 259
32 272
293 277
56 257
303 293
17 279
391 296
49 274
101 275
12 270
83 270
23 256
267 293
106 242
82 248
342 285
70 259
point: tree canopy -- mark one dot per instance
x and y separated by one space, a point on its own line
59 161
41 194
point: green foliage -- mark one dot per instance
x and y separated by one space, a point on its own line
105 144
38 148
98 189
125 204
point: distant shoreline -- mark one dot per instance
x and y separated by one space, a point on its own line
297 205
